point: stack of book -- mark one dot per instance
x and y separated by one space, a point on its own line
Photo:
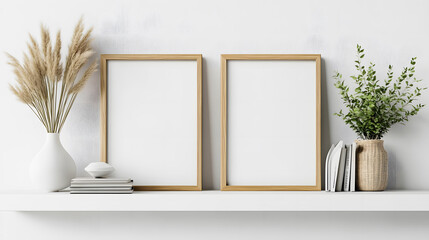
101 185
341 168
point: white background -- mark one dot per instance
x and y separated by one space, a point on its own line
268 142
391 31
152 121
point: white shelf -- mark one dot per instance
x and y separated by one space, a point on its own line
218 201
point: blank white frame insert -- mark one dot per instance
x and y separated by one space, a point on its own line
151 119
270 122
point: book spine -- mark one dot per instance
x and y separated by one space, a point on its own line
347 170
328 169
353 169
101 192
100 185
340 174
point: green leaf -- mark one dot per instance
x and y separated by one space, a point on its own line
373 107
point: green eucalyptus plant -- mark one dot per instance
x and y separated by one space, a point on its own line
374 106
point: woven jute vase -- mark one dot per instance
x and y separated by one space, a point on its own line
372 169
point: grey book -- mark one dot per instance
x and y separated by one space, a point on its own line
347 170
340 172
101 192
353 169
101 185
100 189
101 180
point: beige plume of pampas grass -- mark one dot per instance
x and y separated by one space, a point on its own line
47 86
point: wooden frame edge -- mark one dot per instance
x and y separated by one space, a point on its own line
199 122
224 100
224 58
103 108
269 188
103 111
318 121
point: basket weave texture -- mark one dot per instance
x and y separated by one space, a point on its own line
372 165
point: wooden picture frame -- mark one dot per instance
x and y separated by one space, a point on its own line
181 84
251 166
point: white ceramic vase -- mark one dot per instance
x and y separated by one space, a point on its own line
52 168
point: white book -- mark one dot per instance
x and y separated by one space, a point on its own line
334 162
340 172
101 192
353 169
101 180
347 170
328 168
95 185
100 189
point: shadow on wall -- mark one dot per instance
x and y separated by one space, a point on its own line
208 161
391 181
325 135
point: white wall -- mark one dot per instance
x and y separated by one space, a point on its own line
391 31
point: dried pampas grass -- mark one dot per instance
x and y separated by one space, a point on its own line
44 84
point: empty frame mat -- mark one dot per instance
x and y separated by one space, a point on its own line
270 122
151 119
